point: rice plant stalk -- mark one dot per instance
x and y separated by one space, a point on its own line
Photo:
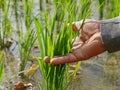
27 38
16 13
112 6
28 5
5 31
1 64
40 4
25 46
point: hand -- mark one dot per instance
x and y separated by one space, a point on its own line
86 45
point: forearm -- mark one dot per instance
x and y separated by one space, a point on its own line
110 32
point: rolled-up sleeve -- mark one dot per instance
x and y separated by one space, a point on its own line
110 32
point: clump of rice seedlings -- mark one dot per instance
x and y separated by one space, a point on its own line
60 7
52 43
1 64
6 26
25 46
54 77
27 37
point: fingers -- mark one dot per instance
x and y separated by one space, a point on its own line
92 48
76 26
76 47
96 36
89 28
68 58
77 41
77 44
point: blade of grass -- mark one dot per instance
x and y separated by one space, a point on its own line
25 47
1 64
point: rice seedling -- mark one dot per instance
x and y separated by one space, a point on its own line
27 35
16 13
28 5
52 43
40 4
6 26
54 77
25 46
43 4
101 8
112 6
84 9
59 15
1 64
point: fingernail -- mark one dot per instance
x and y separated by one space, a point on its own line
76 26
47 59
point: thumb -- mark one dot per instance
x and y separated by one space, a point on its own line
76 25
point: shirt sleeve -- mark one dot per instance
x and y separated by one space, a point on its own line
110 32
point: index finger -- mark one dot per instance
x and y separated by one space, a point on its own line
68 58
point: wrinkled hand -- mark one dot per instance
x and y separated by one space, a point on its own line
86 45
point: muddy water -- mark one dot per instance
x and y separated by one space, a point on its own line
98 73
11 74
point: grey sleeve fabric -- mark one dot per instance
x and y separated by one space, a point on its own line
110 32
